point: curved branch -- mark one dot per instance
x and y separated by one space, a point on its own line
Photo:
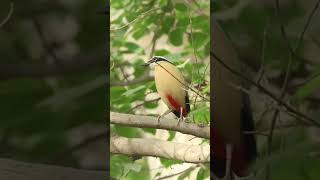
8 15
152 122
158 148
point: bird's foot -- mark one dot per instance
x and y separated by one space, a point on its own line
159 117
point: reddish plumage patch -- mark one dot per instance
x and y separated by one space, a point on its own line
218 145
176 106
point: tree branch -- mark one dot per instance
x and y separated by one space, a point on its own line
168 124
15 170
84 143
302 117
158 148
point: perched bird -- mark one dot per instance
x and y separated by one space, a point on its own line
233 149
171 86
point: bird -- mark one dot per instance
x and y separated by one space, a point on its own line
243 150
171 87
233 149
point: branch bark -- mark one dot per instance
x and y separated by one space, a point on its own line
152 122
16 170
158 148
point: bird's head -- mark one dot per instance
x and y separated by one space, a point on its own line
156 60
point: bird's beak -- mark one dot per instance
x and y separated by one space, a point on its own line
146 64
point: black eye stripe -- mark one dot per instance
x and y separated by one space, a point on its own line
159 59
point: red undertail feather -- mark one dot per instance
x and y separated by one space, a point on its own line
177 107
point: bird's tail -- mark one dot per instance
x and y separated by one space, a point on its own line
243 154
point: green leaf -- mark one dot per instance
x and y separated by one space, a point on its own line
151 105
138 170
183 23
307 89
115 93
200 174
117 163
161 52
140 32
201 23
172 134
176 37
126 131
199 39
181 7
150 130
169 162
133 48
139 70
133 91
185 174
163 3
167 24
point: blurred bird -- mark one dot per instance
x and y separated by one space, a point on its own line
234 149
171 87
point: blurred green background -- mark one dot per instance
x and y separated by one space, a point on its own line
254 29
52 82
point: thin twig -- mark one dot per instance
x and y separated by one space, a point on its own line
302 117
261 73
44 42
141 104
175 174
314 10
287 76
140 16
5 20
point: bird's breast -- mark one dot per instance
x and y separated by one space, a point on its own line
170 85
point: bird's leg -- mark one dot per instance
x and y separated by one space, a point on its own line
181 116
229 159
164 114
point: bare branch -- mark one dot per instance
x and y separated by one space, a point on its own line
158 148
82 144
152 122
16 170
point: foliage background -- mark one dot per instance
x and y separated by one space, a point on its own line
254 29
52 82
178 30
